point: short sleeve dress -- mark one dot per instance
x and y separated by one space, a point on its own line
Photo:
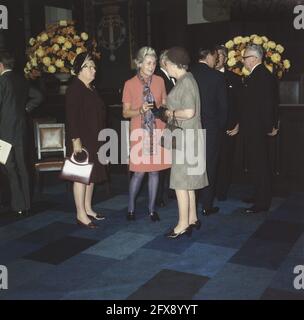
139 161
188 170
85 117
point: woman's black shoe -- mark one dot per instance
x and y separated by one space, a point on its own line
197 224
173 235
131 216
154 216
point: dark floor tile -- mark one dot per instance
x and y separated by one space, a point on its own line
291 210
16 249
49 233
276 294
281 231
61 250
263 254
168 285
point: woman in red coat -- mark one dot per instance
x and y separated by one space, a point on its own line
85 117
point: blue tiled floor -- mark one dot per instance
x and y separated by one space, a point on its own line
235 281
233 255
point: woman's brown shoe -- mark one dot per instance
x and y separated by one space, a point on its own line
90 225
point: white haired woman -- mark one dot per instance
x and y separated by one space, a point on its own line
140 93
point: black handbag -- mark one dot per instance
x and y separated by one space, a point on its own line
168 138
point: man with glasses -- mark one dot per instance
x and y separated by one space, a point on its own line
257 121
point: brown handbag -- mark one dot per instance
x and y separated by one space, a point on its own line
75 171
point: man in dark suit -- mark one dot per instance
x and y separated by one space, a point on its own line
233 86
213 97
257 121
14 93
164 175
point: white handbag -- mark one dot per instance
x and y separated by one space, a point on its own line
5 149
75 171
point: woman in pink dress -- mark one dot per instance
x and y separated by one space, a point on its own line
141 93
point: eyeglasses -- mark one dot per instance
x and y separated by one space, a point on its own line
245 57
90 67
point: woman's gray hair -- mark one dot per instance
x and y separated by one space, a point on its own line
257 49
142 53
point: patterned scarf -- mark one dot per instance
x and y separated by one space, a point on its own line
148 119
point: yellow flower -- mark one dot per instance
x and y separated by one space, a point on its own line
63 23
272 54
229 44
78 50
286 64
269 67
257 40
76 37
61 39
26 71
231 54
231 62
34 62
28 65
55 47
59 63
238 40
51 69
68 45
271 44
46 61
245 72
84 36
276 57
265 45
280 48
44 37
39 52
32 41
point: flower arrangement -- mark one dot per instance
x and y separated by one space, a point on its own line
272 55
54 50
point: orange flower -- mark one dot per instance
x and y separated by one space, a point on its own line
60 41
